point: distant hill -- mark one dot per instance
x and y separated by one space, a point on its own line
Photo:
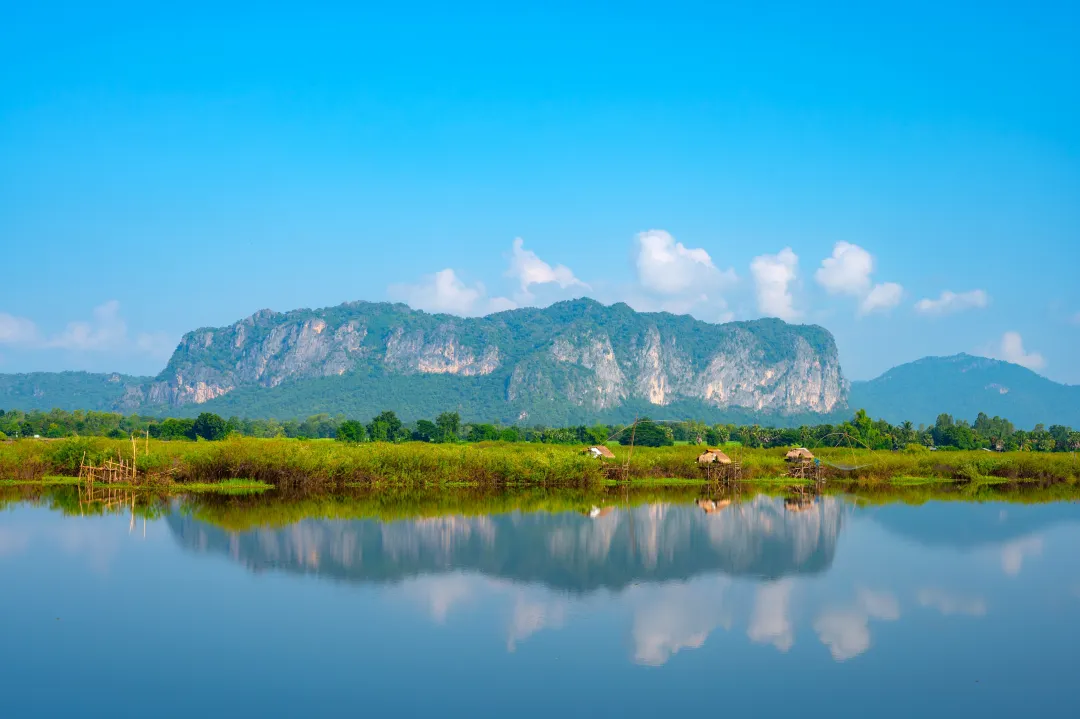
963 386
66 390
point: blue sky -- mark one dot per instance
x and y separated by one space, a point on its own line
164 169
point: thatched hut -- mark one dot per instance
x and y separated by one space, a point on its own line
600 452
799 454
709 456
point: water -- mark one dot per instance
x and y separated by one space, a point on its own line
942 609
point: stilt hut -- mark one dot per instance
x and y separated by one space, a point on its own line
600 452
715 464
801 463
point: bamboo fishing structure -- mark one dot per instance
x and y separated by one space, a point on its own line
111 471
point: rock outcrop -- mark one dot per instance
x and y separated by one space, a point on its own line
580 354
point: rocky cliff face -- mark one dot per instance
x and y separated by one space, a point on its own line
581 353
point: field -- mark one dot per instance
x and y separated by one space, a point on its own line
308 465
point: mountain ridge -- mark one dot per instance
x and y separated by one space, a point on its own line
964 385
573 362
566 362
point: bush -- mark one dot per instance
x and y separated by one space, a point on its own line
351 431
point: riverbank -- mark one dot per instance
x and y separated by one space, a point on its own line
314 464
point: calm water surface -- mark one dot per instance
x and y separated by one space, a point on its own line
942 609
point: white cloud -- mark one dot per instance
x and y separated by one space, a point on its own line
773 277
846 632
17 330
678 617
770 622
530 616
107 331
440 292
529 270
1011 349
949 302
1013 554
883 296
668 267
501 304
948 604
847 271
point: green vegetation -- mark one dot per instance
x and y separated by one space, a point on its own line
315 464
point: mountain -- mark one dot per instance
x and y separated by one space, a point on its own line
66 390
575 361
963 386
572 361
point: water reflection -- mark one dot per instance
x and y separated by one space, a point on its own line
574 551
660 596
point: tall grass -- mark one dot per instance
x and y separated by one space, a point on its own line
314 464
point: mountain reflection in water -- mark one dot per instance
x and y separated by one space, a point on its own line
760 538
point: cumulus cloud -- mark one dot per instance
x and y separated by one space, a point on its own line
949 604
530 616
528 269
440 594
677 618
881 297
445 292
105 332
771 622
1011 349
1013 554
17 330
773 277
949 302
848 271
846 632
668 267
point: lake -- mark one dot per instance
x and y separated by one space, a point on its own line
824 607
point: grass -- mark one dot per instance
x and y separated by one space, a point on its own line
228 486
314 465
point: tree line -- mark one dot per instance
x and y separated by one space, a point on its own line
993 433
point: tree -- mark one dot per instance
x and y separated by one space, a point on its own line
426 431
647 434
449 424
210 427
483 433
386 427
351 431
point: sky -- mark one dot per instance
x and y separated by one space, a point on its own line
906 175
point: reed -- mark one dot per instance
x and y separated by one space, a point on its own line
321 464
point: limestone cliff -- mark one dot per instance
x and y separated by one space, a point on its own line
580 356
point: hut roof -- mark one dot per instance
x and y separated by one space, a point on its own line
713 455
600 451
799 453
